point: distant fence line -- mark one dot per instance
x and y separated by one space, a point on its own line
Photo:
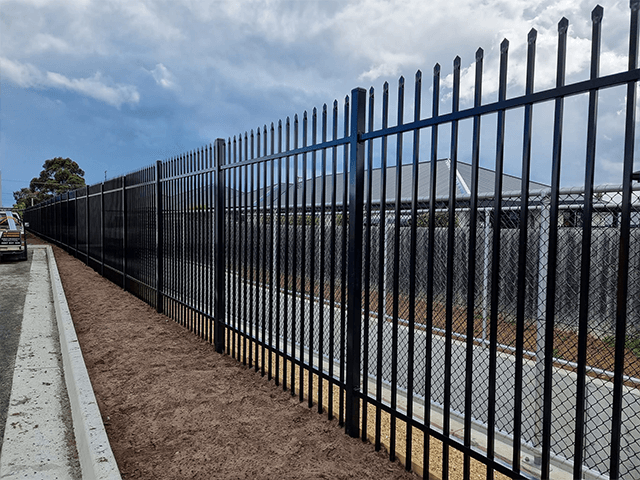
502 327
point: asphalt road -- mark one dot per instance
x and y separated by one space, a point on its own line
13 290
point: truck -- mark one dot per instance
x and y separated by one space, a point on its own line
13 240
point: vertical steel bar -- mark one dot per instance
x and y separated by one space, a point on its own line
382 254
125 244
77 221
252 324
354 274
332 250
321 302
86 201
495 260
312 271
159 237
273 252
344 258
522 253
396 275
585 259
367 272
236 250
211 240
263 315
287 316
549 314
230 247
193 213
203 237
412 267
623 255
451 230
246 246
198 264
219 264
182 229
294 282
471 277
237 226
102 229
279 252
303 270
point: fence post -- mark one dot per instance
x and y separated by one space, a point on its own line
124 232
75 221
159 236
86 219
102 229
354 267
219 247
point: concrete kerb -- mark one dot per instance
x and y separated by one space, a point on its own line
96 458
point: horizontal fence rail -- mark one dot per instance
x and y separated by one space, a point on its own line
442 310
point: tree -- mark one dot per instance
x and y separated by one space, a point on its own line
24 198
59 175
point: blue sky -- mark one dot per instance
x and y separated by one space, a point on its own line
118 84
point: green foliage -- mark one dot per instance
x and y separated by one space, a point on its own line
631 343
58 175
442 220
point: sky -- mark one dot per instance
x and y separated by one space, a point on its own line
117 84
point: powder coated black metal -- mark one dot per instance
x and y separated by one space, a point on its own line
280 252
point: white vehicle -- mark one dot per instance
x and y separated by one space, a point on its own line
13 241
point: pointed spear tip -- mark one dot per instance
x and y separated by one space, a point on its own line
304 115
436 69
419 75
335 103
401 80
324 107
385 87
479 54
533 34
315 111
457 61
371 91
597 14
563 25
504 46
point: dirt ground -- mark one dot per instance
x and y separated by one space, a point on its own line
173 408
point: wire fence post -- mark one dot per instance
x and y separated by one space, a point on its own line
159 235
354 266
219 246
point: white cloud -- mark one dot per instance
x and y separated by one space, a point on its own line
164 77
29 76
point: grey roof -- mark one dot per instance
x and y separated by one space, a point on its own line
486 184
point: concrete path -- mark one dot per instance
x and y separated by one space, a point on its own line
38 440
53 428
13 290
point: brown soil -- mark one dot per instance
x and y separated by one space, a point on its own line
173 408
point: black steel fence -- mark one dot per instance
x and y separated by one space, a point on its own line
444 311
